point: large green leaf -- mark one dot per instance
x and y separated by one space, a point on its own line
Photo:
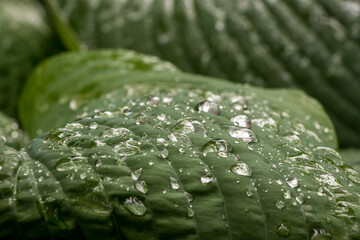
313 45
351 156
159 154
25 38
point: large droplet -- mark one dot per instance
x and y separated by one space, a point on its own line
182 139
207 178
174 183
266 123
283 230
70 163
164 153
242 169
135 206
190 212
330 154
186 126
141 186
136 174
115 132
127 149
246 135
241 121
219 146
208 106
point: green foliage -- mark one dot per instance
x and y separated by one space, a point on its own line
150 152
313 45
10 133
25 38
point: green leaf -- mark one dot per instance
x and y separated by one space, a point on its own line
155 153
351 156
25 39
311 45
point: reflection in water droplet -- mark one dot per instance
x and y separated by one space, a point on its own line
220 146
242 169
135 206
280 204
244 134
141 186
208 106
294 182
207 178
241 121
186 126
174 183
283 230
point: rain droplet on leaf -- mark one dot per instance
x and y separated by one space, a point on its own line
219 146
241 121
135 206
174 183
208 106
242 169
141 186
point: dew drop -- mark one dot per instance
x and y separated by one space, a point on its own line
294 182
186 126
241 121
83 175
280 204
126 111
353 175
141 186
249 193
41 179
164 153
98 163
287 194
208 106
135 206
283 230
242 169
174 183
189 197
300 199
244 134
136 174
219 146
190 212
330 154
70 163
141 118
115 132
207 178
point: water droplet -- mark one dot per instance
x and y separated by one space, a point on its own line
209 107
328 179
161 117
320 234
219 146
141 118
330 154
353 175
287 194
180 138
283 230
242 169
280 204
207 178
241 121
189 196
135 206
186 126
294 182
83 175
141 186
301 198
153 101
127 149
41 179
244 134
70 163
136 174
174 183
164 153
126 111
266 123
98 163
190 212
151 163
249 193
115 132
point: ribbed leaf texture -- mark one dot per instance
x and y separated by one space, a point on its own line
148 152
312 44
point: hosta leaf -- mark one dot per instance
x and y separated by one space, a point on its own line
313 45
155 153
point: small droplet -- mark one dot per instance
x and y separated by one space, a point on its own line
241 121
283 230
189 197
190 212
208 106
141 118
287 194
41 179
141 186
98 163
126 111
219 146
280 204
151 163
301 198
249 193
353 175
174 183
164 153
242 169
135 206
247 135
207 178
83 175
294 182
